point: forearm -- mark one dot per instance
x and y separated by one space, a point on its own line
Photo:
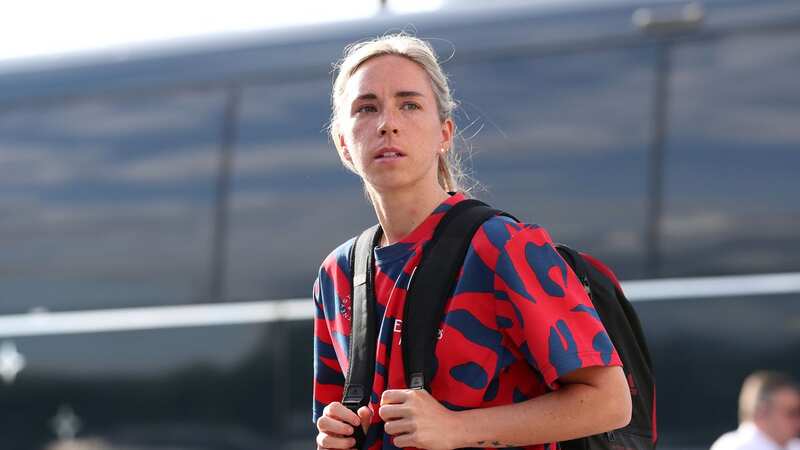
573 411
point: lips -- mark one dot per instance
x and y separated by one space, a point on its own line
388 153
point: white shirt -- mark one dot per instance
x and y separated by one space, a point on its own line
749 437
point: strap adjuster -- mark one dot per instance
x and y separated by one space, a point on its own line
354 395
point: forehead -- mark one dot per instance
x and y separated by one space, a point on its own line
388 73
786 396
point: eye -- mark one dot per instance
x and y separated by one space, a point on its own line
366 108
408 106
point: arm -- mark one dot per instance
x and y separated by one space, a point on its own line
552 321
566 343
590 401
333 420
328 376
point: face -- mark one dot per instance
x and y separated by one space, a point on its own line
783 415
390 127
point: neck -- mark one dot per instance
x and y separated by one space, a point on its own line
400 212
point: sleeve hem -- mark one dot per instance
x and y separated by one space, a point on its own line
588 359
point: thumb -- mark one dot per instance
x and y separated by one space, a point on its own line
365 414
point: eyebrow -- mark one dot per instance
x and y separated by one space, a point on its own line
371 96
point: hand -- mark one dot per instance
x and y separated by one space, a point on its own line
416 419
336 426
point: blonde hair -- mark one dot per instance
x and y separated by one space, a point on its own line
450 173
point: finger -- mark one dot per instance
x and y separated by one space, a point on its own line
333 442
393 396
365 414
329 425
342 413
405 440
393 412
396 427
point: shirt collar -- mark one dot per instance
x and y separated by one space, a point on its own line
750 432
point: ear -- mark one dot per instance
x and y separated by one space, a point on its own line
345 154
447 134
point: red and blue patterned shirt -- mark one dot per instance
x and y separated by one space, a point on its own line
518 320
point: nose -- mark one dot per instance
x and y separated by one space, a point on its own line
388 124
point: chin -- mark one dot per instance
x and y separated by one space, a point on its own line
391 183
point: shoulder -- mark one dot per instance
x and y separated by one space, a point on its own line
334 272
512 251
727 441
338 258
737 440
498 233
523 257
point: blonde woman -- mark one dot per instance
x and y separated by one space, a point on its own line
522 361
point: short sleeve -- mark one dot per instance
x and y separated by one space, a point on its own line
328 376
552 320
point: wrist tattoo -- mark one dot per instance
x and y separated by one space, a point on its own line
496 444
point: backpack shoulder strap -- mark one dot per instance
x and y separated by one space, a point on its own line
604 269
578 265
431 284
360 373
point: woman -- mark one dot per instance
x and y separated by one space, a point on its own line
522 360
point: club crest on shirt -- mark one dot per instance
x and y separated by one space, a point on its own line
346 307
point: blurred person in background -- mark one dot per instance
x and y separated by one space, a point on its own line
392 125
769 415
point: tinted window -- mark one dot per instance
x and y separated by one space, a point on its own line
293 202
704 348
196 387
562 141
732 157
107 202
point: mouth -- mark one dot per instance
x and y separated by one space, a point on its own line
388 153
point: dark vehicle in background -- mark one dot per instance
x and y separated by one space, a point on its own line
163 213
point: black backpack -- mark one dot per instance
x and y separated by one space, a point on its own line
432 284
